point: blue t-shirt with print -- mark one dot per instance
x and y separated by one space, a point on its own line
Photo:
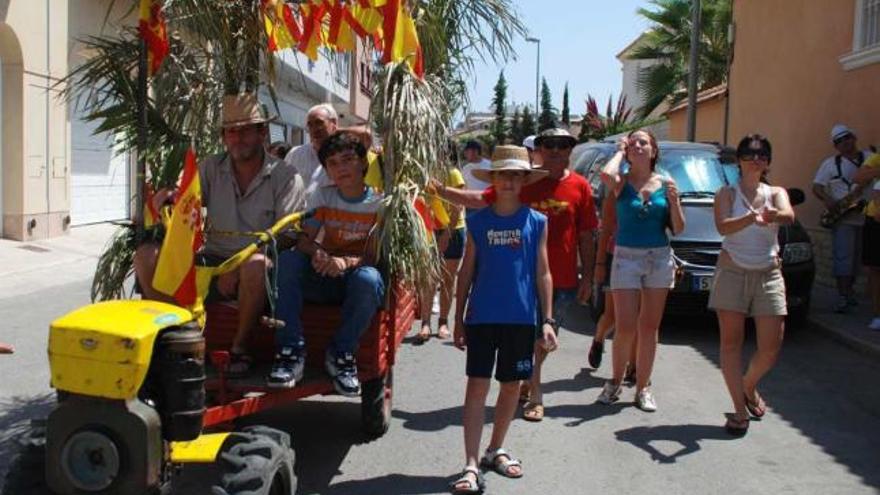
504 286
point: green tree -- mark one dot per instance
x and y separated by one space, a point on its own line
566 114
499 126
547 117
668 43
527 124
516 134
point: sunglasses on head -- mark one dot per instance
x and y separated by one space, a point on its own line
556 144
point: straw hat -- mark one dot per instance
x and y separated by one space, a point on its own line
509 157
243 109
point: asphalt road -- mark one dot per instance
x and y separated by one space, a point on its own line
820 435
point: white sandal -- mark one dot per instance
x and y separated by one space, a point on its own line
475 486
490 461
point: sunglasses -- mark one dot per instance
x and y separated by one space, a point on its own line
556 144
842 138
755 157
643 211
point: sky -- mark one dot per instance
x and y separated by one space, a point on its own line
579 41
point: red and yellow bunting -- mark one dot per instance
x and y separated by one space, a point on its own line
337 24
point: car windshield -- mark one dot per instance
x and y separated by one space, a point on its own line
696 172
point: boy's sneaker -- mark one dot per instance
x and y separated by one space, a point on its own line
610 393
875 324
287 369
842 305
645 400
343 369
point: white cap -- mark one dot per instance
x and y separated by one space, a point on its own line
840 130
529 142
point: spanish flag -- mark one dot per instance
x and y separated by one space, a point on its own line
152 29
175 271
313 30
151 214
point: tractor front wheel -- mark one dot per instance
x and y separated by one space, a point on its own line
257 461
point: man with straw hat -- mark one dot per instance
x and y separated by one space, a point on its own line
567 200
504 274
244 189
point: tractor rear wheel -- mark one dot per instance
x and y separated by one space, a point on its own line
256 462
376 404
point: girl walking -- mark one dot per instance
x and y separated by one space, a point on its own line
748 279
643 270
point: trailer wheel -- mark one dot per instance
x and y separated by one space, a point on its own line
256 464
376 404
27 473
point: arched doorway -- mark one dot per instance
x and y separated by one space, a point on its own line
11 124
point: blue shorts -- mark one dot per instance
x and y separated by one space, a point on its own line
512 344
455 248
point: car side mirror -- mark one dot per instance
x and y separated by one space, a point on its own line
795 196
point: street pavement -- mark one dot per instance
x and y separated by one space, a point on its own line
819 436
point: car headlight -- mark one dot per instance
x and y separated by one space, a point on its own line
797 252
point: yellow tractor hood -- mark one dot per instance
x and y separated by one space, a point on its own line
104 349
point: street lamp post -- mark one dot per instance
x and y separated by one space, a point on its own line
537 71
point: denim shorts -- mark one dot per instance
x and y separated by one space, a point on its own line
845 244
642 268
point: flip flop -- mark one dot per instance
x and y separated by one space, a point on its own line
757 408
491 461
240 364
424 334
533 412
735 426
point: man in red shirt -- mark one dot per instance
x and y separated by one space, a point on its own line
567 200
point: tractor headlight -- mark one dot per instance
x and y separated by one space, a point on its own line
797 252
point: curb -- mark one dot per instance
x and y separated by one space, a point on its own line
859 345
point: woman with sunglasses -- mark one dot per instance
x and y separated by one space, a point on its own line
643 270
748 279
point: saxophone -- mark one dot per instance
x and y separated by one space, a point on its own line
851 202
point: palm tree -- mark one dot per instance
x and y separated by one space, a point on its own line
668 43
220 47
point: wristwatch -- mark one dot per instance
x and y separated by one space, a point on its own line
552 323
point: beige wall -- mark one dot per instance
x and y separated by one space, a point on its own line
36 148
710 121
787 82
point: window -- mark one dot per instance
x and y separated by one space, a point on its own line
342 67
866 36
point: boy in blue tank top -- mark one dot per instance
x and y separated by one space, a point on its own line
503 278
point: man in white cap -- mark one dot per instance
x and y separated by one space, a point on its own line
534 157
244 189
835 183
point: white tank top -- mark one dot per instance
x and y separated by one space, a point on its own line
754 247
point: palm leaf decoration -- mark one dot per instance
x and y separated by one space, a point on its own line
220 47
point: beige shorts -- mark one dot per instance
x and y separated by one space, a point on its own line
752 292
642 268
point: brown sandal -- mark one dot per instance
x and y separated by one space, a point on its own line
737 427
533 412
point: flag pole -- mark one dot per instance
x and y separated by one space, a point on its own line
140 175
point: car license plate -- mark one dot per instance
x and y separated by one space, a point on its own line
702 283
